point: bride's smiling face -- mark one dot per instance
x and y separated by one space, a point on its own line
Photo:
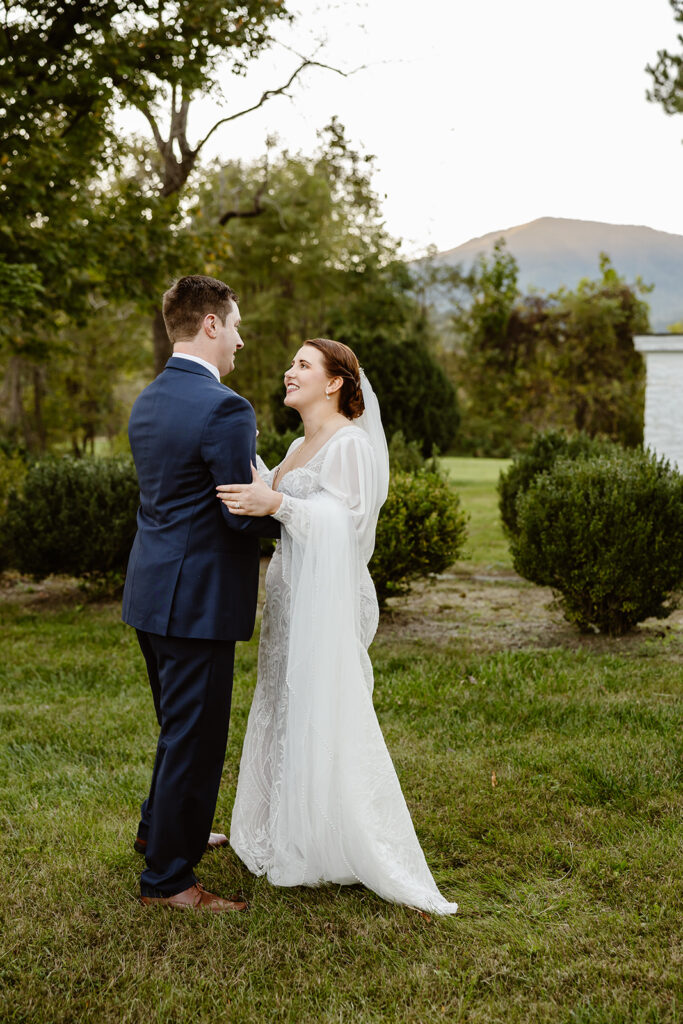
307 380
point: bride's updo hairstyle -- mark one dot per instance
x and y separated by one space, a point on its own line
340 361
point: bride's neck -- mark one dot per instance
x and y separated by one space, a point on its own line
318 419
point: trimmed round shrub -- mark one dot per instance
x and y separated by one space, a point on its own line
606 533
78 517
71 516
541 455
13 466
421 531
407 456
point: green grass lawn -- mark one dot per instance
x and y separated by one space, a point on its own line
545 786
475 481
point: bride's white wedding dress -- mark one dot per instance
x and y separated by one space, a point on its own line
318 799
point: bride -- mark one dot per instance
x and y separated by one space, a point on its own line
318 799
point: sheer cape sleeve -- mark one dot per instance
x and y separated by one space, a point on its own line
263 471
341 814
349 476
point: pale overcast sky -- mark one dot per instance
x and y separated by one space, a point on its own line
482 115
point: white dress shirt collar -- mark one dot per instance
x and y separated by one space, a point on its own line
202 362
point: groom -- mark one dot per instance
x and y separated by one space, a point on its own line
192 579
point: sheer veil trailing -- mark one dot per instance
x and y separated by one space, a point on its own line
329 806
371 423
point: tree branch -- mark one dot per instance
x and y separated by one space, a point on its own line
254 212
269 93
180 129
161 144
176 171
256 208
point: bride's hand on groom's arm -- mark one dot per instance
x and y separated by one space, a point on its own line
254 499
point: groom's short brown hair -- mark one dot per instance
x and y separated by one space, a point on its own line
187 302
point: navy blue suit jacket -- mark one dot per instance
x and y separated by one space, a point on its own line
193 568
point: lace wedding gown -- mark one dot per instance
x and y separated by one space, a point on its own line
318 799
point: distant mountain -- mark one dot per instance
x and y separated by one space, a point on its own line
554 251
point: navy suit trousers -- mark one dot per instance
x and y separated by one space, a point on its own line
191 683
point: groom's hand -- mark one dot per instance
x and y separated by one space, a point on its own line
254 499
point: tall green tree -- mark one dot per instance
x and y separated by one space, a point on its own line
64 70
316 260
667 72
316 236
530 362
599 376
497 362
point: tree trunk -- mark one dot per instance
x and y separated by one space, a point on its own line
581 411
38 392
15 404
162 343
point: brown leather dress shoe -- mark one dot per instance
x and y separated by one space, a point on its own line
214 842
194 898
